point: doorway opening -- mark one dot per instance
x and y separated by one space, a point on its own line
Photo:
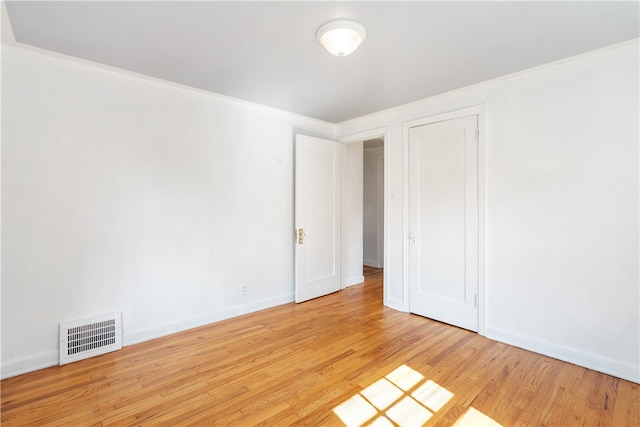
368 151
373 211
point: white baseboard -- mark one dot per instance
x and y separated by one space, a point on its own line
16 367
353 281
598 363
142 335
395 304
47 359
371 263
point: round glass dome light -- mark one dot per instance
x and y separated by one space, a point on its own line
341 37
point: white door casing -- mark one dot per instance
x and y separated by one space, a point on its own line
317 217
444 221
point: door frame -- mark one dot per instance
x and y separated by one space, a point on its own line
383 132
479 111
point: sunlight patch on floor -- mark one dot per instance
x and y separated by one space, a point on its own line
408 412
432 395
382 393
405 377
403 398
475 418
355 411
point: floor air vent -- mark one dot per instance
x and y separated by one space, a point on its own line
81 339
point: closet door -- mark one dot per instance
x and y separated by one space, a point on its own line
443 215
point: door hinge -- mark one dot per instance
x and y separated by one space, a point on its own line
300 236
476 300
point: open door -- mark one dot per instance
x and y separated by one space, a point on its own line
317 217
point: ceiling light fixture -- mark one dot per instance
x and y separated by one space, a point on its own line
341 37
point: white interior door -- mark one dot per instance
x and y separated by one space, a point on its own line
443 216
317 217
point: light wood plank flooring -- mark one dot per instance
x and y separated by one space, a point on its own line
341 359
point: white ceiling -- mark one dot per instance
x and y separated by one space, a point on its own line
266 52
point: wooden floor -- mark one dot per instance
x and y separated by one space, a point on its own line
341 359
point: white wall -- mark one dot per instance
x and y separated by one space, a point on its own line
371 205
125 193
561 206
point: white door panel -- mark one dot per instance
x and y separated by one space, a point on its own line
444 221
317 217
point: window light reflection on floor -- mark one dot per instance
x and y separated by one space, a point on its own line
475 418
403 398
